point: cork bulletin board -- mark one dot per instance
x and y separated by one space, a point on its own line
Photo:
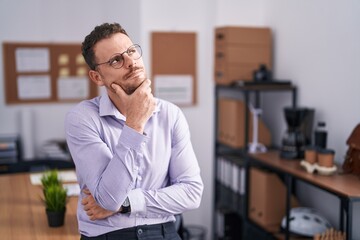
45 73
173 62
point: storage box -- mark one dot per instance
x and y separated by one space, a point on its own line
239 51
235 71
267 200
231 131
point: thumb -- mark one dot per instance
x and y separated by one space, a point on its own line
118 90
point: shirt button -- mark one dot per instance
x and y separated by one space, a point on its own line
139 178
140 231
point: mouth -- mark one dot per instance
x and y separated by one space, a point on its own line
134 73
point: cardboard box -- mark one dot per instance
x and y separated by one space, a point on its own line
231 117
267 200
243 35
243 54
224 72
239 51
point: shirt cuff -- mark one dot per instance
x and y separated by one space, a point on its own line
137 201
131 138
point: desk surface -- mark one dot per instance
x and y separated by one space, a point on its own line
347 185
22 212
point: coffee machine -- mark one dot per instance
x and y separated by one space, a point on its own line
298 134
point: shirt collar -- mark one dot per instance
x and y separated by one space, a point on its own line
107 108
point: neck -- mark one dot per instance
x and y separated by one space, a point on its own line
117 102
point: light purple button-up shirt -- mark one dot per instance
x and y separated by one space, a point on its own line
158 170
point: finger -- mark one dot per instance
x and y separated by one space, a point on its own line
145 84
87 191
84 201
118 90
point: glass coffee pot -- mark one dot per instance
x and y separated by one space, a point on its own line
295 138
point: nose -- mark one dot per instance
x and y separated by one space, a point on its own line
128 61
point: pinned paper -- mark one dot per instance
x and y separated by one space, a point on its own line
73 88
177 89
81 71
32 59
64 72
80 60
63 59
34 86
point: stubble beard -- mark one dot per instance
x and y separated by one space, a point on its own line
132 88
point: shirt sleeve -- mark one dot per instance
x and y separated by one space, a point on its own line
109 176
186 186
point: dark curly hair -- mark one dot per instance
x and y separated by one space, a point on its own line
105 30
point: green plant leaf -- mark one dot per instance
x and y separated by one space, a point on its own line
55 198
50 178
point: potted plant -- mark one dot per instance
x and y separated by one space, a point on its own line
50 178
54 198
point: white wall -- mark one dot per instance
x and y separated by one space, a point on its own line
240 13
191 16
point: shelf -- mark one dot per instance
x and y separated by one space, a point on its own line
222 149
346 185
253 86
227 200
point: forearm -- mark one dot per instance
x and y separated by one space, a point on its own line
119 177
108 175
175 199
184 192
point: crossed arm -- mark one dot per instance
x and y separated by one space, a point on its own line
92 209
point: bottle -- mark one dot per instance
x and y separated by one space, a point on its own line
320 135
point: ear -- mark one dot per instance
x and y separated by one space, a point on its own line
96 77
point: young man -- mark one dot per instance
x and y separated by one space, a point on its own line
134 160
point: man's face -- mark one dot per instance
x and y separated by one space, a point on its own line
130 75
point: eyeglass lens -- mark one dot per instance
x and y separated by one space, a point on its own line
134 52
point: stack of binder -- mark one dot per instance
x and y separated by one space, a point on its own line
9 149
55 149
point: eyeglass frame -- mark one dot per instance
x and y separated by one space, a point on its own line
121 54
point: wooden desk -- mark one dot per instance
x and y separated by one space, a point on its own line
22 212
345 186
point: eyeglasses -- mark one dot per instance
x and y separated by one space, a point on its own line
117 60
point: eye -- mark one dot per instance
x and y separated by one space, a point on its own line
116 60
131 51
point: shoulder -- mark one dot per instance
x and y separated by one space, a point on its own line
170 111
85 110
168 108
